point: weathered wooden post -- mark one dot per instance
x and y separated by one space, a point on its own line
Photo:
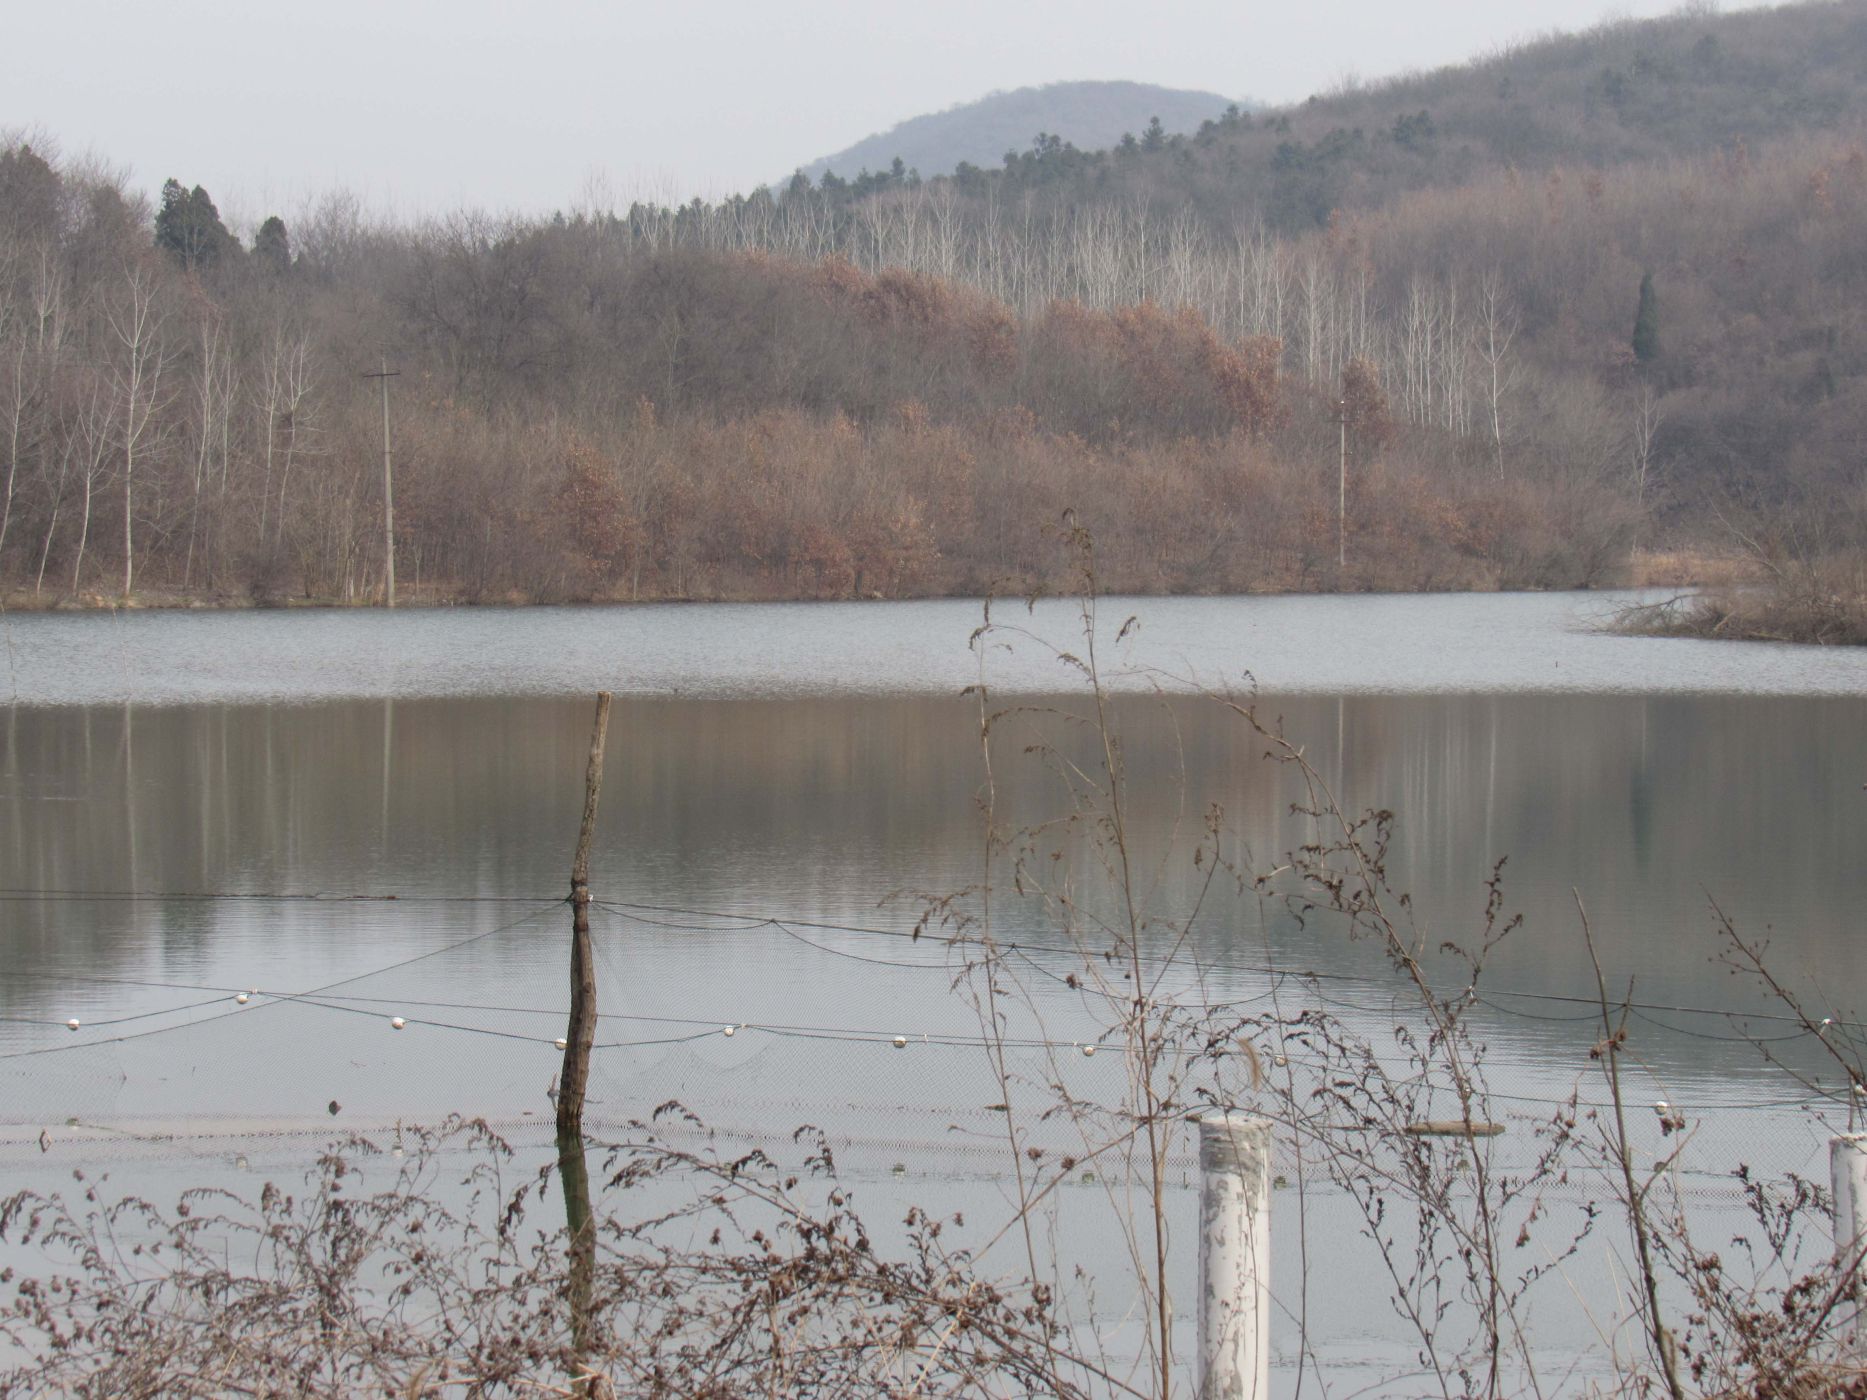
573 1169
1847 1165
580 1230
1234 1257
582 1033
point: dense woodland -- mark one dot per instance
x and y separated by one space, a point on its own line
1554 312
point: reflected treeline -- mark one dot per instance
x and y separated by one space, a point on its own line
822 808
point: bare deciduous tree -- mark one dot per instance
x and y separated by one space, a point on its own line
1497 332
138 320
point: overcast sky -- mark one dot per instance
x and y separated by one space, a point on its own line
428 105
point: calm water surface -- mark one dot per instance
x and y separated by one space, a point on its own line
818 763
787 785
1372 645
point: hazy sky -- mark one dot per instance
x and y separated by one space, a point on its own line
421 106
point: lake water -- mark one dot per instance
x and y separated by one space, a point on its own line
787 785
1395 644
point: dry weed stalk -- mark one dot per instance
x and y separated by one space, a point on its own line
713 1276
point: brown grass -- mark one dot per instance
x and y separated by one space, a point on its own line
1825 610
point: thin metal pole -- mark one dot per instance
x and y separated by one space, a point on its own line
388 500
1341 489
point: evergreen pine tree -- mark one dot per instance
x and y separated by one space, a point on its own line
1647 323
188 226
30 194
273 246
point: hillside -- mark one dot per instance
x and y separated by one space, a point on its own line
1089 115
1687 85
1480 236
1643 339
587 410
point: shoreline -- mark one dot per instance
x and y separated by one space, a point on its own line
1725 614
1687 571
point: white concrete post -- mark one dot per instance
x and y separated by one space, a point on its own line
1847 1165
1235 1257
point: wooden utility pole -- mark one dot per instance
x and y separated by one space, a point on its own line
1341 490
388 491
582 1033
579 1229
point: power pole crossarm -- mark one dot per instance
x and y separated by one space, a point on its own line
388 491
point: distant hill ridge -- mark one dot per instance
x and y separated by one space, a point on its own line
1089 115
1622 91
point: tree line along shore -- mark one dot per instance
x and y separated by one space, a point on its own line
1583 361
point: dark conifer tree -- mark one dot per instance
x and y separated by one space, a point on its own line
273 246
188 227
1647 323
30 192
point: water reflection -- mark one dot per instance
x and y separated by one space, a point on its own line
824 809
114 817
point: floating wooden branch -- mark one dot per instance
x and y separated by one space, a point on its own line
1452 1127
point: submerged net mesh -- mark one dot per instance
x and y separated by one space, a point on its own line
455 1008
466 1021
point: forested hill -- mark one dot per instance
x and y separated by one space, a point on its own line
1624 91
1090 115
1491 234
1642 327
